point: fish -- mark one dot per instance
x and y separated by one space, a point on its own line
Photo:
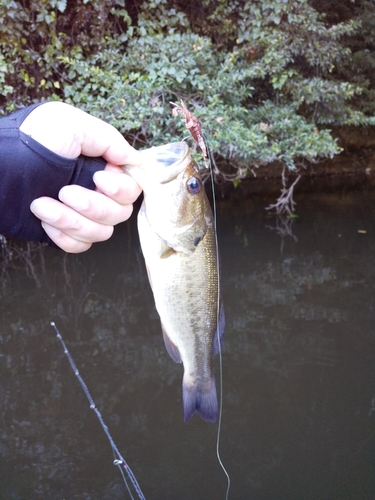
178 241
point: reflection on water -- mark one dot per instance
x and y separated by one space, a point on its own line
299 371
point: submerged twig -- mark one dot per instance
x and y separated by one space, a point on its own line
13 253
285 202
283 227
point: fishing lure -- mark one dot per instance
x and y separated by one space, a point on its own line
193 125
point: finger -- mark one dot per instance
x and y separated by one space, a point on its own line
96 206
116 184
102 139
70 222
69 132
64 241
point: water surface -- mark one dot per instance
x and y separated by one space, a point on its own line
299 370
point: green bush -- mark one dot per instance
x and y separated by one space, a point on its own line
264 76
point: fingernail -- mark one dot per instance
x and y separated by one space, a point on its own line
52 232
45 210
134 159
74 197
107 182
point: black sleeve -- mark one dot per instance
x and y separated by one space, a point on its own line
28 170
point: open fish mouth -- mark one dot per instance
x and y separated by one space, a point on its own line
165 162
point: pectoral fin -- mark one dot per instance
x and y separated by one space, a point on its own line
166 252
171 347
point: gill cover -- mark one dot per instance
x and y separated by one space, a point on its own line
176 205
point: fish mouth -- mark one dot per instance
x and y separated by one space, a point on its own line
162 163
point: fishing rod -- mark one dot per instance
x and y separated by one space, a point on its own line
119 460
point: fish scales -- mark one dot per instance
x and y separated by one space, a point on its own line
178 241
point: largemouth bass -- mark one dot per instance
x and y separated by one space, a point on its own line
177 235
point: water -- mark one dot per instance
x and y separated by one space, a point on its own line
299 370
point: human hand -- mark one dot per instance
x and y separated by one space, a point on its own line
83 216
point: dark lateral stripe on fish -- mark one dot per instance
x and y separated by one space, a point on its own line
200 398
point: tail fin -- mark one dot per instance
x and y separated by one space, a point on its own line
200 397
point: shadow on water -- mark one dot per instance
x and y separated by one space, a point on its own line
299 371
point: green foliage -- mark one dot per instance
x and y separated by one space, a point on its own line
33 37
360 68
264 76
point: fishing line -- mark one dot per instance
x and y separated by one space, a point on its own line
218 315
119 460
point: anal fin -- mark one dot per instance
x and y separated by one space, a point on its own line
172 349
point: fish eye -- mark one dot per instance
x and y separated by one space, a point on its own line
194 185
